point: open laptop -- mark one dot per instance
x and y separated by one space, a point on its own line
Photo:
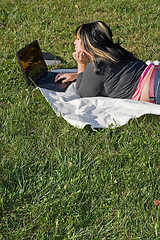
35 70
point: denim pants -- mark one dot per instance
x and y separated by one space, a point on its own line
157 86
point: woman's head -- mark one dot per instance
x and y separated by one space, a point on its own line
95 36
97 41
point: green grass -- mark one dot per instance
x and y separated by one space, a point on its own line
59 182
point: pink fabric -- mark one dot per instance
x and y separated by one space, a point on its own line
144 76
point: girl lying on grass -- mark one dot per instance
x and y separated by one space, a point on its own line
107 69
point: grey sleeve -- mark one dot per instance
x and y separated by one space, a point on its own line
89 83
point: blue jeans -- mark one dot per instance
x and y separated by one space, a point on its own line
157 86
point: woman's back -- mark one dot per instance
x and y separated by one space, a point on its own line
114 80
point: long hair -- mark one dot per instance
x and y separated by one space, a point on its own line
97 41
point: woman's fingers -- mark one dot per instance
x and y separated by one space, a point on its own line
80 57
67 77
58 77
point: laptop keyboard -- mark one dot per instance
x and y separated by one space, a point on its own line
47 82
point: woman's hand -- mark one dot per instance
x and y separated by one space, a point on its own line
67 77
81 57
82 60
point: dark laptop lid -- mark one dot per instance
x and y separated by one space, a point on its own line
32 62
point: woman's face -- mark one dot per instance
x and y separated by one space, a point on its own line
78 45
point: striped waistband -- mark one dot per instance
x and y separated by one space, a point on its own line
151 84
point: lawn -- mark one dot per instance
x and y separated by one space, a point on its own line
57 181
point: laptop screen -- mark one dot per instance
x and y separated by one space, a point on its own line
32 61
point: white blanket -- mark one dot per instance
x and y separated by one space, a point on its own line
98 112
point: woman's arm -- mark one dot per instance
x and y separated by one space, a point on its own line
82 60
88 83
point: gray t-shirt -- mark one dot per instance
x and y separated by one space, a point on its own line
116 81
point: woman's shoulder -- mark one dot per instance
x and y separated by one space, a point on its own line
100 67
126 64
